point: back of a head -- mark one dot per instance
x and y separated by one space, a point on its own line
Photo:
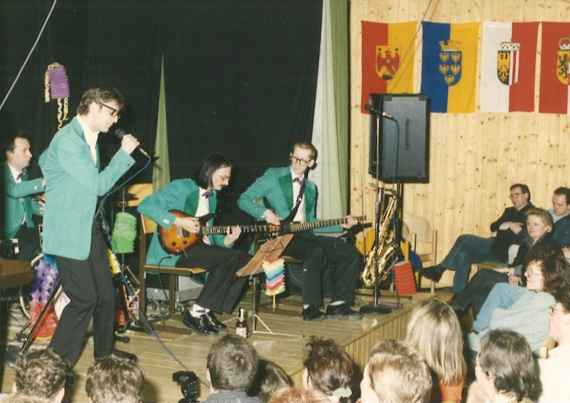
329 368
395 373
295 395
507 358
113 379
435 332
22 398
269 379
41 374
232 363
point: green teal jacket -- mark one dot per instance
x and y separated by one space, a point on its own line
18 202
275 190
180 194
74 184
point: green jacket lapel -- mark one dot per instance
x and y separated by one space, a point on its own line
286 184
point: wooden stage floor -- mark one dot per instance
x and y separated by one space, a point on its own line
357 337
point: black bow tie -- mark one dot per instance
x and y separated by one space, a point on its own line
20 175
207 194
298 180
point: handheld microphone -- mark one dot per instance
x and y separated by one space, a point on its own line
120 133
387 115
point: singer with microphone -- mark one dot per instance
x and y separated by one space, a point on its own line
72 232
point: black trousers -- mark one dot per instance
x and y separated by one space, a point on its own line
223 288
89 285
478 290
28 242
321 253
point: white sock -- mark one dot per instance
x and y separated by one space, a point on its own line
197 310
335 303
305 306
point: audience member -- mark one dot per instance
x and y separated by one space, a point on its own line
539 227
328 370
469 249
434 331
506 370
269 379
395 373
232 365
113 379
294 395
554 369
560 213
524 309
40 377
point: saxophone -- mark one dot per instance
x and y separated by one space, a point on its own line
385 248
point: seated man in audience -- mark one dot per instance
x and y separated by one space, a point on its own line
469 249
554 369
232 366
19 205
395 373
116 380
560 213
40 377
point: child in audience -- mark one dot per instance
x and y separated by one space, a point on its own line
506 370
434 331
112 379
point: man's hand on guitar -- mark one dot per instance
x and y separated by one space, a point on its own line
190 224
232 235
272 218
350 222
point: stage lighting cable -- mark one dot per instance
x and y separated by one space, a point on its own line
48 16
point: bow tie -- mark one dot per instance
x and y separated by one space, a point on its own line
298 180
207 194
20 175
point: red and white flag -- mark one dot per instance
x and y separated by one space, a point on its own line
508 62
555 68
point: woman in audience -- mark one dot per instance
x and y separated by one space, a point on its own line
270 379
539 227
524 309
554 369
434 331
328 371
506 370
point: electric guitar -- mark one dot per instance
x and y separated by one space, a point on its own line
176 240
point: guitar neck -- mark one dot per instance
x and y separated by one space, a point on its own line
223 229
308 226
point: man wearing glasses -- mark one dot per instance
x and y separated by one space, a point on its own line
72 231
291 196
468 249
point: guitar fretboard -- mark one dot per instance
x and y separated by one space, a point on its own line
308 226
223 229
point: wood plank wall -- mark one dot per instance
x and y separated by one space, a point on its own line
474 157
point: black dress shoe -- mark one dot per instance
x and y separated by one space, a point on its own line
132 358
313 313
216 323
342 311
200 324
433 272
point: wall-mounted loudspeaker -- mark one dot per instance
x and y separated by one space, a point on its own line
399 135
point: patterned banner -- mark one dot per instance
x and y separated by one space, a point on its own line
449 66
388 54
555 67
508 52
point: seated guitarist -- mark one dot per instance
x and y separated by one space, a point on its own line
292 196
197 198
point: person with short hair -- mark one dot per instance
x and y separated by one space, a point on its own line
434 331
73 230
469 249
395 373
554 368
560 213
296 395
506 370
40 377
269 379
328 370
286 193
196 198
232 365
19 203
113 379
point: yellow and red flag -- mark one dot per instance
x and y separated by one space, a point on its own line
388 55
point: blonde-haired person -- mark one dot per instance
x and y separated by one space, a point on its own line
395 373
328 371
434 331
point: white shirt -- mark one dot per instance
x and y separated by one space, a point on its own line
554 376
90 138
203 209
300 216
15 174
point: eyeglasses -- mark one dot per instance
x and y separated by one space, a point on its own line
114 111
300 161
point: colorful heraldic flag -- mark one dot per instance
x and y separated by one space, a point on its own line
388 54
508 59
555 68
449 66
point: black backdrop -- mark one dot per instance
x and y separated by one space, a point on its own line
240 75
